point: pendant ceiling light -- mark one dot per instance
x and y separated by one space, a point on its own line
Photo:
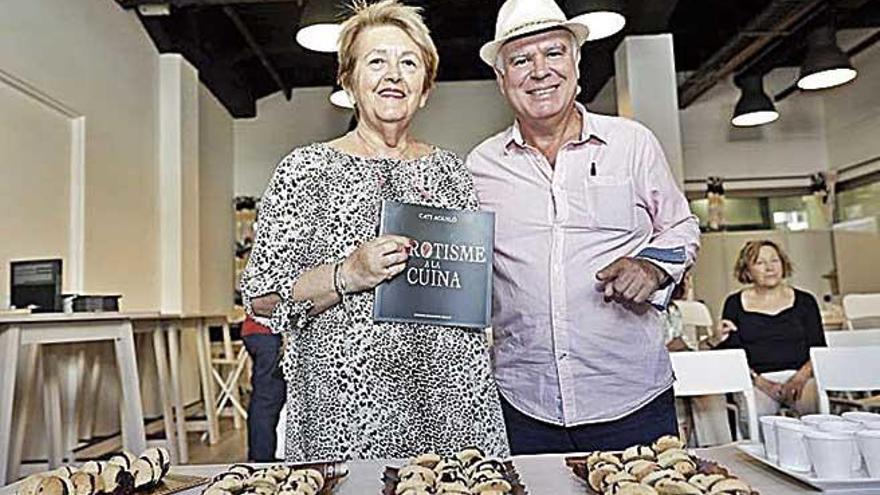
754 106
319 29
339 97
825 65
604 18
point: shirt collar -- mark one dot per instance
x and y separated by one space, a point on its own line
591 131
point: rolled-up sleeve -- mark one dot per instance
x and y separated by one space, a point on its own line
281 247
676 231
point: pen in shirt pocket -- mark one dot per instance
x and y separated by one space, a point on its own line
592 169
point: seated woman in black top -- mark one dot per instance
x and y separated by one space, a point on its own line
776 324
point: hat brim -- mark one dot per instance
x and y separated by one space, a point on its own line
489 51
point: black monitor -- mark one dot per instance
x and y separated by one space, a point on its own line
37 284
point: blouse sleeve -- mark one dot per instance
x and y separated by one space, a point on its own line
812 319
280 252
457 179
731 312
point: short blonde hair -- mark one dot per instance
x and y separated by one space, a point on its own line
385 13
748 255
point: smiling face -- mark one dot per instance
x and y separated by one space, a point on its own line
767 270
389 75
538 74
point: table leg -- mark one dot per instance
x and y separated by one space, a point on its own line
203 349
134 438
27 368
52 407
91 383
229 354
10 344
177 391
167 409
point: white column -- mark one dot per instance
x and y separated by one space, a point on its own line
178 183
647 91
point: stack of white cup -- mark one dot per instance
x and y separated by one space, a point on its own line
833 447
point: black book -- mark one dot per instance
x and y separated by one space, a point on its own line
448 278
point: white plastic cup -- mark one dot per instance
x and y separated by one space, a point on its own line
847 427
791 447
861 416
814 420
869 445
831 453
768 432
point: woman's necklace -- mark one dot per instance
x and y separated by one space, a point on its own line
402 154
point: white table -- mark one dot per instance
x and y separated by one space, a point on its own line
542 475
548 475
20 338
165 329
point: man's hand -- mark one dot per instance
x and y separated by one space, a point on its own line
631 280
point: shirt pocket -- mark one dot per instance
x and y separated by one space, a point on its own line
611 201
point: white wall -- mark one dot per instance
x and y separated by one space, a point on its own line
458 116
852 112
93 59
793 145
216 215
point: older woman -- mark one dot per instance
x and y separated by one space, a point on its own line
358 389
777 325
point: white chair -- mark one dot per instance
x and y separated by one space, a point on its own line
859 307
716 372
694 314
846 369
857 338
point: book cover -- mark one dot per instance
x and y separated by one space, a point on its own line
448 278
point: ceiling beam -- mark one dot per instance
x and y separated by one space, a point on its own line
780 16
252 42
130 4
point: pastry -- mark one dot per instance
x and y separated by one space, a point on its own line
243 469
469 456
686 467
123 460
598 473
640 467
428 460
114 477
315 475
635 489
705 481
667 442
93 467
62 472
30 484
618 477
676 487
86 483
638 452
54 485
670 460
656 476
498 485
730 486
144 473
671 453
160 458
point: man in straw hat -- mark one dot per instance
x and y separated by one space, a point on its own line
592 235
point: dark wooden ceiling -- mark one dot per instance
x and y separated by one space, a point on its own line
245 49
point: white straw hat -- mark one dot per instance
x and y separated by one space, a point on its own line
517 18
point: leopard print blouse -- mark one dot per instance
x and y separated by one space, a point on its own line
358 389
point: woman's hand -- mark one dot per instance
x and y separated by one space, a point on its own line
791 389
769 387
724 329
375 261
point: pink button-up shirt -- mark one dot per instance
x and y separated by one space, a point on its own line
562 354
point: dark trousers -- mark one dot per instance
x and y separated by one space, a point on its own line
267 397
531 436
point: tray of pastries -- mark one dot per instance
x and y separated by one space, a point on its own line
663 468
303 479
465 473
120 474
